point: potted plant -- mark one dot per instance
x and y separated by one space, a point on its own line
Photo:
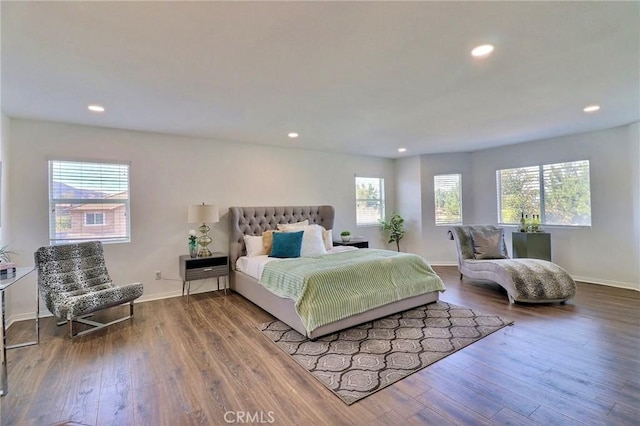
4 254
345 235
193 250
395 225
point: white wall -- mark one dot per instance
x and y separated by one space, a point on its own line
4 197
167 174
634 165
607 253
435 241
409 202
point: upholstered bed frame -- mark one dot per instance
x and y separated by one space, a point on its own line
256 220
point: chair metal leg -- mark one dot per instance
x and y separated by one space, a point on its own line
461 275
95 324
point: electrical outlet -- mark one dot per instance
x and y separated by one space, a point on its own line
158 275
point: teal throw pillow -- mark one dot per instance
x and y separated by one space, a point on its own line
286 244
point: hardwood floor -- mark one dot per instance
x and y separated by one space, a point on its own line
208 364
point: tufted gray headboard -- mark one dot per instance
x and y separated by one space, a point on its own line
256 220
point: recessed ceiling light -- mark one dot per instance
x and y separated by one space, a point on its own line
96 108
293 135
482 51
591 108
402 149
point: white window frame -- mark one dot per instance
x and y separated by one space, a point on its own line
440 181
540 172
361 222
108 178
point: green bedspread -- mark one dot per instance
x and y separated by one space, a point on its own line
331 287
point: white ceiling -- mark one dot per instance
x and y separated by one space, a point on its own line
354 77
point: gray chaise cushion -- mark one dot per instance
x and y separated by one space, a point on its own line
526 280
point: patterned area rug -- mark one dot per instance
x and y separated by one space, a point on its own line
359 361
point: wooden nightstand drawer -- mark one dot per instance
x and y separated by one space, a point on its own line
206 272
201 268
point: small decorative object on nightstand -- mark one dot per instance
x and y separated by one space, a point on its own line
200 268
345 236
193 243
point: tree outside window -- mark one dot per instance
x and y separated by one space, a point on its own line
560 193
448 199
369 201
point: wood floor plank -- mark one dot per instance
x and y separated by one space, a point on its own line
546 416
177 364
571 406
463 395
450 409
511 418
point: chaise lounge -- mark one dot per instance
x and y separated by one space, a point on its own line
482 254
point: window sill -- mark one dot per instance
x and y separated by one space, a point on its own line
544 227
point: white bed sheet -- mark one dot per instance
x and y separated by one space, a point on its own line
253 266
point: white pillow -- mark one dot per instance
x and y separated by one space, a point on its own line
327 236
293 226
254 245
312 241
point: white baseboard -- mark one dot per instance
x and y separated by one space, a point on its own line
44 313
610 283
27 316
443 263
599 281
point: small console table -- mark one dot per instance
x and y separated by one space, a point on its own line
536 245
5 283
200 268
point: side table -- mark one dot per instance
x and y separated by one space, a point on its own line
200 268
536 245
4 284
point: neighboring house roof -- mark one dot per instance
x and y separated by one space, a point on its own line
107 206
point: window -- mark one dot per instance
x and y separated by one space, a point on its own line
369 201
559 193
448 198
88 201
94 218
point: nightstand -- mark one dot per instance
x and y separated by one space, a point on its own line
200 268
360 243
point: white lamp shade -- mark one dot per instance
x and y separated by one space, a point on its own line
203 213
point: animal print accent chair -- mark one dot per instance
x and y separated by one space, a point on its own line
74 281
525 280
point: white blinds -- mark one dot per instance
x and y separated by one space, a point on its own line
559 193
567 194
448 199
88 201
369 201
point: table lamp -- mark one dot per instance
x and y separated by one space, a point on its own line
203 213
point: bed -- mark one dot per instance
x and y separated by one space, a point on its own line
254 221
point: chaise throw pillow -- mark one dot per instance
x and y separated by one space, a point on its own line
489 244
